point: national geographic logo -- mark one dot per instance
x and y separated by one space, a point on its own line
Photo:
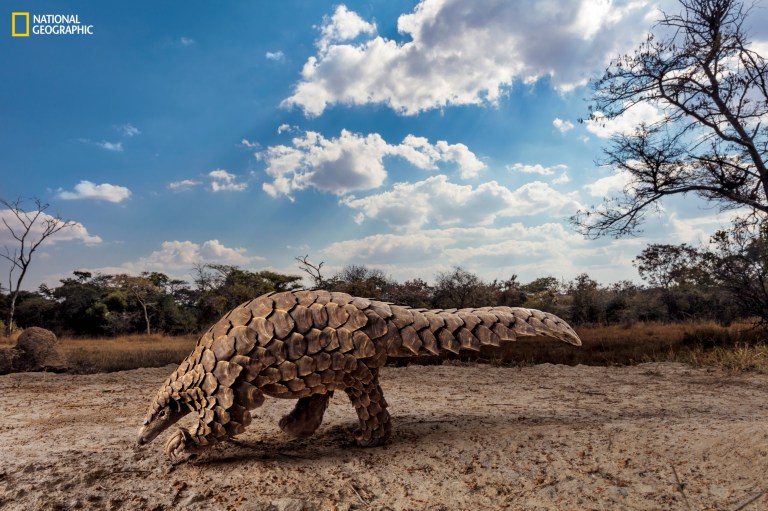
48 24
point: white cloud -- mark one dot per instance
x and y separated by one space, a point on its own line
222 181
186 184
354 161
213 250
562 126
180 256
111 146
286 128
699 229
461 245
641 113
89 190
760 47
129 130
609 185
250 145
277 56
547 249
436 200
461 52
562 179
344 25
389 248
536 168
76 232
186 41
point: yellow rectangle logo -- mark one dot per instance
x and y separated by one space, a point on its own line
14 17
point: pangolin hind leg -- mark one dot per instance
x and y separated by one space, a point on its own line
307 416
368 399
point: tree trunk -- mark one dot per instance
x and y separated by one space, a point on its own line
146 316
11 313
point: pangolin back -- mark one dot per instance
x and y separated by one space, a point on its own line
308 322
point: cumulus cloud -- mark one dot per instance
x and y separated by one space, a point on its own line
76 232
698 229
562 126
186 184
436 200
530 251
248 144
89 190
562 179
276 56
286 128
175 256
223 181
344 25
461 52
609 185
458 245
641 113
389 248
354 161
536 168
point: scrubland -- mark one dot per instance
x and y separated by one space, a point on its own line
737 347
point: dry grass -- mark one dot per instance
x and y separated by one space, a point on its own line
127 352
735 348
700 344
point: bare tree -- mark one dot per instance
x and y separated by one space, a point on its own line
712 137
29 229
313 270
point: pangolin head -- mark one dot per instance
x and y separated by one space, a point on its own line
166 409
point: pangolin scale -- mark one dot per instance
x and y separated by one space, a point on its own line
306 344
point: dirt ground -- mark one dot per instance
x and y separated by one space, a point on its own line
465 437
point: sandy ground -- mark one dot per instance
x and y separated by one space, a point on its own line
465 437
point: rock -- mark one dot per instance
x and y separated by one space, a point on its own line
36 350
8 358
40 350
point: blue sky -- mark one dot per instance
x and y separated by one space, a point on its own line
409 136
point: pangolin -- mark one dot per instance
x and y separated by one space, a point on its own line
306 344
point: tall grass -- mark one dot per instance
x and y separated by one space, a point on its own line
735 348
126 352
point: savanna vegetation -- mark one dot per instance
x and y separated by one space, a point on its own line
703 306
699 70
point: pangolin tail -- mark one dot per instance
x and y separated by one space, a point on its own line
416 332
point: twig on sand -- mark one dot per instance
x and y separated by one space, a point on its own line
358 494
747 502
681 489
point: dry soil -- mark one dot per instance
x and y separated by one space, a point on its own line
465 437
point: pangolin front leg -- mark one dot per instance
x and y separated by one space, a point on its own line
368 399
216 424
307 416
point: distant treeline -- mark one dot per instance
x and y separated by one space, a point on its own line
682 284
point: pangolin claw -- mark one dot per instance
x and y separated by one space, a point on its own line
178 444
